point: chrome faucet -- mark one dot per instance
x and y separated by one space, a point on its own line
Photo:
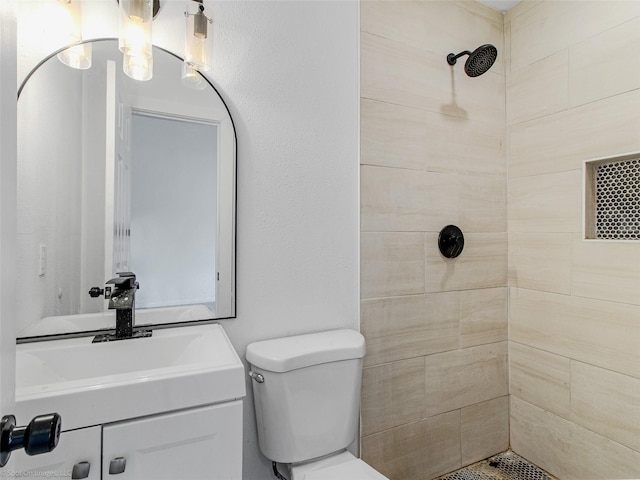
122 299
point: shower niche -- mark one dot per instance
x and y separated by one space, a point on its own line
612 198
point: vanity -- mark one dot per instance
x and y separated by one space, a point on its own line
126 176
167 406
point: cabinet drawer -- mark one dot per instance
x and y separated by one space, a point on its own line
198 444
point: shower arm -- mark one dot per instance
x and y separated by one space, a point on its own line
451 58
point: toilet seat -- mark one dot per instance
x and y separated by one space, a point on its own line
343 466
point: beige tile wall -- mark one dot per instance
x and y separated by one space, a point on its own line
573 94
435 391
433 153
569 450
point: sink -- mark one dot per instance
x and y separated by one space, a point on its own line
95 383
86 322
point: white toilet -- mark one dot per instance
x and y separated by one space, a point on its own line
306 391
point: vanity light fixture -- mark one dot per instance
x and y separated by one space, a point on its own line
135 42
136 17
77 56
197 45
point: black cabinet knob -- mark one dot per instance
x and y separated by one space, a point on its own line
40 436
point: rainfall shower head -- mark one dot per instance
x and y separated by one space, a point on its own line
479 61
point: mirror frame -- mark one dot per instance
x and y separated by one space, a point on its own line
152 326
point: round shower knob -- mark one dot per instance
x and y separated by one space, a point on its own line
451 241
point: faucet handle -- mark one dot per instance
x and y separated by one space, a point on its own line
126 274
95 292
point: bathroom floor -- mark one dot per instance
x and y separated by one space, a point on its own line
504 466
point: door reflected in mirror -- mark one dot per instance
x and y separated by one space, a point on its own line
166 202
119 175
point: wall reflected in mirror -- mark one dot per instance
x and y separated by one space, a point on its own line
120 175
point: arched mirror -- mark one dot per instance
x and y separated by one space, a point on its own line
120 175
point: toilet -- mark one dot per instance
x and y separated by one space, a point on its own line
306 390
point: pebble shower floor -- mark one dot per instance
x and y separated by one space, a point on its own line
504 466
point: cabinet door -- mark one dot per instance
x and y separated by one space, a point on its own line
73 448
197 444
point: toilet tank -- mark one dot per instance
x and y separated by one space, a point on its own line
308 404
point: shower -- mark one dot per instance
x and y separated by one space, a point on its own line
479 61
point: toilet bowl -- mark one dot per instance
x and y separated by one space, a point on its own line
306 391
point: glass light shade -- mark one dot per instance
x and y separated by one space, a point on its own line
78 56
136 18
138 67
191 77
199 37
69 20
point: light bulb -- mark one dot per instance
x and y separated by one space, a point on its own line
199 37
136 17
135 39
138 67
191 77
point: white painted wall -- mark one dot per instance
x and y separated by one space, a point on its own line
8 143
49 193
289 73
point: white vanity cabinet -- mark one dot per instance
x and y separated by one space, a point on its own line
199 444
168 406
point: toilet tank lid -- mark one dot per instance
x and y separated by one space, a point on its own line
291 353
